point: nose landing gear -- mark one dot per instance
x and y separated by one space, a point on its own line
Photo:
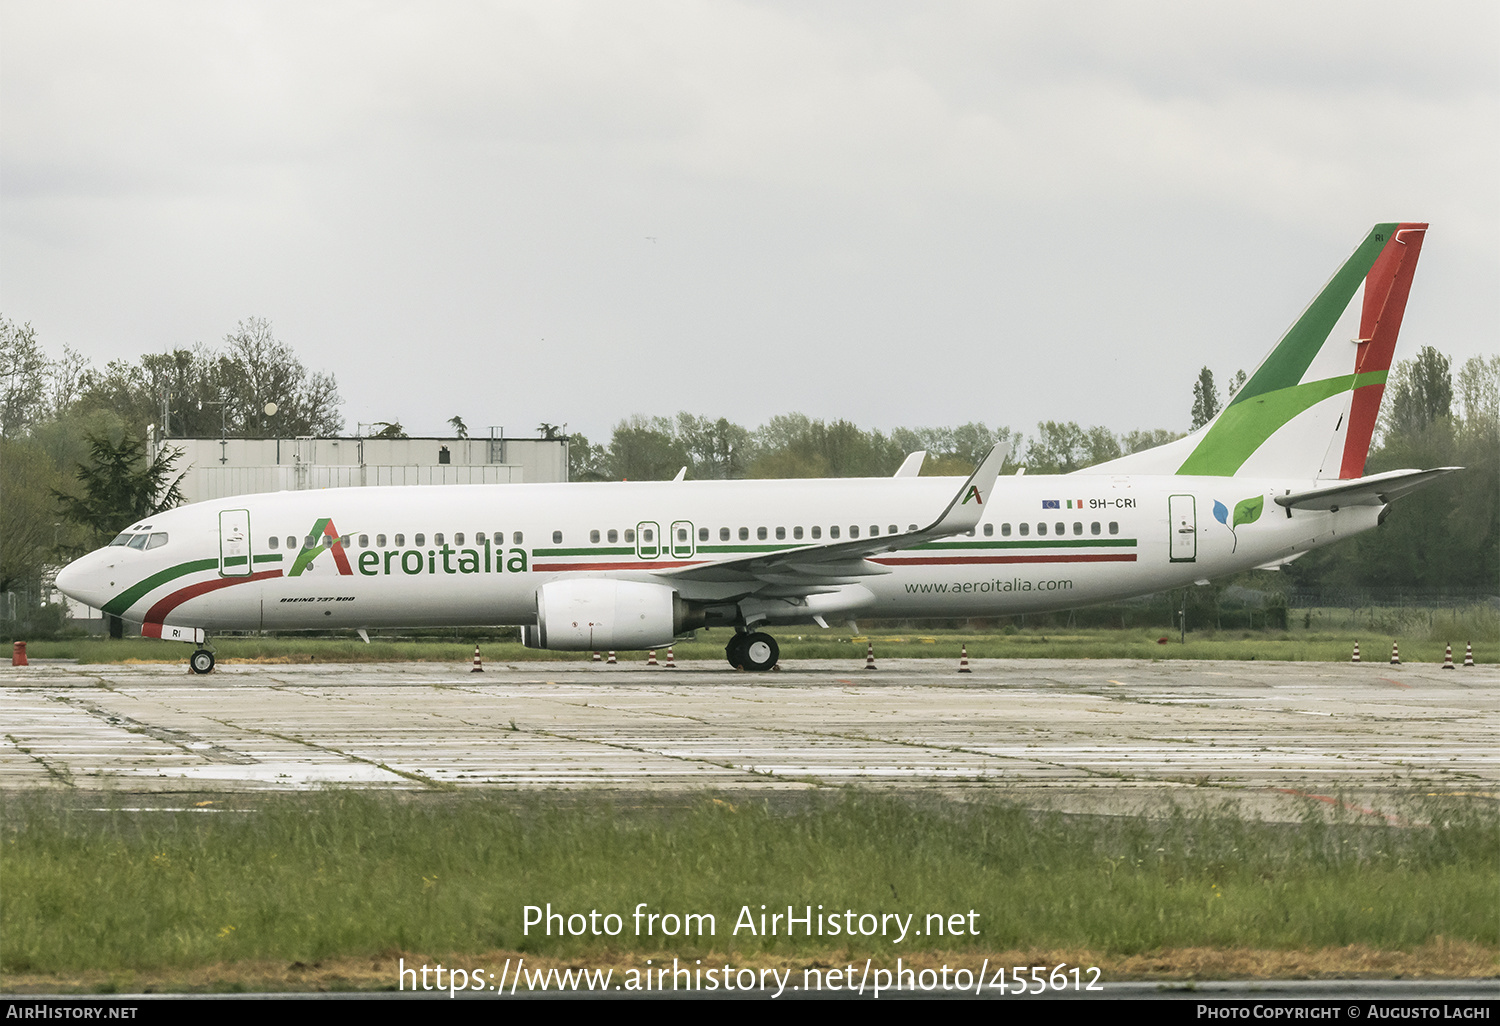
754 651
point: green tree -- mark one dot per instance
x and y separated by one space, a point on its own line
1420 393
121 484
1205 399
23 368
28 515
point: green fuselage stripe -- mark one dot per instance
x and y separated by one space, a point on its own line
129 597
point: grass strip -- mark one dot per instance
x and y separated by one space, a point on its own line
1097 643
348 874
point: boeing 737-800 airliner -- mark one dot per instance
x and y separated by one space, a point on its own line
634 565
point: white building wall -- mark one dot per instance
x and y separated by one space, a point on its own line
216 468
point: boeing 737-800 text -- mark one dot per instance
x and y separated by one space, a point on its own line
1279 471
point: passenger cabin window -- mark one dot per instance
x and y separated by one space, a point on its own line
1061 528
703 534
157 541
892 529
682 534
275 541
781 534
817 532
1077 527
854 530
833 532
516 538
648 535
1005 530
760 533
797 533
556 537
630 536
1025 529
364 541
400 539
594 537
458 539
1041 528
744 534
723 534
437 539
874 530
499 537
380 540
613 536
310 542
1114 528
989 530
1094 527
420 539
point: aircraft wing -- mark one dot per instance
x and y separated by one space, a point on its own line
1376 490
809 567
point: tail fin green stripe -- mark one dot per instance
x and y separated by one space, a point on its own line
1243 427
1295 352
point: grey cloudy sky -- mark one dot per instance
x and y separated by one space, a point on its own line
901 214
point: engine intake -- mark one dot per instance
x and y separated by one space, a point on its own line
590 615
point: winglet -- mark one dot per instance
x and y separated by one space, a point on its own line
967 507
912 465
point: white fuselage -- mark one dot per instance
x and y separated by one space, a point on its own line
477 555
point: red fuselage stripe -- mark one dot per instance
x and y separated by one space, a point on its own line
158 613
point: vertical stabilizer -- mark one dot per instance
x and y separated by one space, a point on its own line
1309 409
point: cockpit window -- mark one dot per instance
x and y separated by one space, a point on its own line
121 538
139 541
157 540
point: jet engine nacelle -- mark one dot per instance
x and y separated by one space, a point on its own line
592 615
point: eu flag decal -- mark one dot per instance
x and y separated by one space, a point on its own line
1050 504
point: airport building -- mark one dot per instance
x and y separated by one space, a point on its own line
219 467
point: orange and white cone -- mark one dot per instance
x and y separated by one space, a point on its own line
477 667
611 660
671 665
597 657
651 658
1355 657
870 655
1448 658
1395 655
1469 655
963 660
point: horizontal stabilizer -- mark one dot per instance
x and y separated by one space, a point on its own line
1376 490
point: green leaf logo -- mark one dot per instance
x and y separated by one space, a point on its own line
1247 511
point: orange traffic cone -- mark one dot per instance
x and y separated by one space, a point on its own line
1355 659
963 660
1469 655
651 658
611 660
1448 658
670 664
597 657
870 656
477 667
1395 655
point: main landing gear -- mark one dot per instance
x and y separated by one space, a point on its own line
201 661
752 651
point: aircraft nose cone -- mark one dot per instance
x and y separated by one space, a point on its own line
77 580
